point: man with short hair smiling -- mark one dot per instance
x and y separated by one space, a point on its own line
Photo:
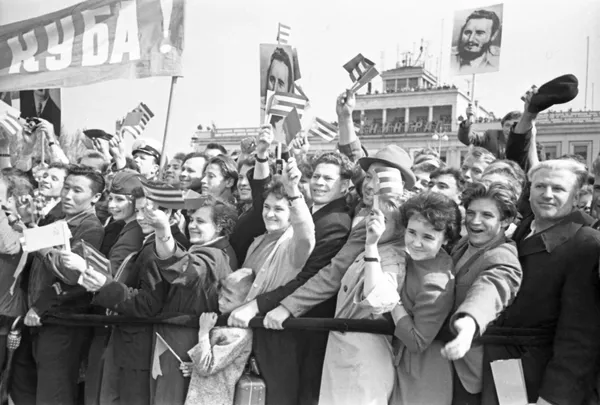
192 169
57 350
50 189
560 292
447 181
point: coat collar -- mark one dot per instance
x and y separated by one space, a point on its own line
335 205
131 225
462 246
549 239
76 220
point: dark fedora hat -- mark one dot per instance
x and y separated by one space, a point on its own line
392 156
557 91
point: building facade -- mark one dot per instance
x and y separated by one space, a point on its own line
415 113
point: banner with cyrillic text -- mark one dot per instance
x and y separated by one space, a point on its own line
93 41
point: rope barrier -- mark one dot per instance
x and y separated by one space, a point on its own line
498 335
494 334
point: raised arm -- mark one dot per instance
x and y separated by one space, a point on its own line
328 243
262 169
349 143
521 144
300 217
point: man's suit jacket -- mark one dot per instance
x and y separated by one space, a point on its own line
560 293
327 282
50 113
332 226
493 139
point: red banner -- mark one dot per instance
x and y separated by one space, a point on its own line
93 41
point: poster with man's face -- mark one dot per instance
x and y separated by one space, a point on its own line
276 72
476 40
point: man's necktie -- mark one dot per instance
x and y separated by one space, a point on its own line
40 108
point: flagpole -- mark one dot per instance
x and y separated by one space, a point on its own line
163 155
278 160
473 93
43 152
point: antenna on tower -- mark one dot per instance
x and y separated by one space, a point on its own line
397 55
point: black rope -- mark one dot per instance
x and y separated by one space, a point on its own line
493 335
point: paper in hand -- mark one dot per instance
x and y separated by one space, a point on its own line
509 381
43 237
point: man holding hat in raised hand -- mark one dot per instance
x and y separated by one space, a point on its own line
521 144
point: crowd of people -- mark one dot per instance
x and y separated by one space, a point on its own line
442 253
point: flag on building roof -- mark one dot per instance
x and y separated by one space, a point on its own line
136 121
281 104
9 118
323 129
164 195
160 347
361 71
283 33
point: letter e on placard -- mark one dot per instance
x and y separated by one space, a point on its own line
126 35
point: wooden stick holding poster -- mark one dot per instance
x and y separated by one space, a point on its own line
163 155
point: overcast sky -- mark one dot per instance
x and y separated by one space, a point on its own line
541 39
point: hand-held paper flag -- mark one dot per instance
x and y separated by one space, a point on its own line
323 129
164 196
95 262
389 183
361 71
291 126
283 33
281 104
160 347
94 259
9 119
136 121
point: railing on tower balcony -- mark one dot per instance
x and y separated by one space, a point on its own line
399 127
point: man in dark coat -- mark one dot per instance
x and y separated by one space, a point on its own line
559 295
42 103
53 288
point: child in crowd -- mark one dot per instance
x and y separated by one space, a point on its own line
488 276
424 376
219 358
